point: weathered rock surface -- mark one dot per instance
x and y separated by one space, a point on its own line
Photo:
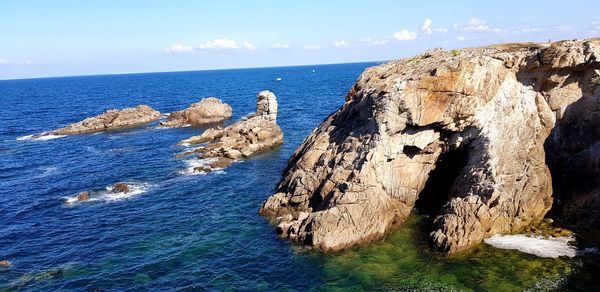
208 110
251 135
462 132
111 120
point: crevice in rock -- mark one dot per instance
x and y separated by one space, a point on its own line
437 188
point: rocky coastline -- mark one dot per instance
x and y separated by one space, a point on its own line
479 136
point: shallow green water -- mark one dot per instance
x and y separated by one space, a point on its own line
404 261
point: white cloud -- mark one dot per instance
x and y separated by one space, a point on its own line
460 38
249 46
474 24
219 44
177 48
405 35
281 46
528 30
312 47
340 44
440 30
426 27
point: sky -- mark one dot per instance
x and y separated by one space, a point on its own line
66 38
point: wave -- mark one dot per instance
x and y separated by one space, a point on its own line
192 163
551 247
106 195
44 136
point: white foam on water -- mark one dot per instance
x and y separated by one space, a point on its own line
40 137
193 163
278 79
551 247
106 195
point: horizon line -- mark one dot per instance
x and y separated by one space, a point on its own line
184 71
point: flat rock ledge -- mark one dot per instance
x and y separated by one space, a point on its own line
208 110
253 134
464 133
111 120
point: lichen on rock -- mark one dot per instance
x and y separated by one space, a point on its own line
360 173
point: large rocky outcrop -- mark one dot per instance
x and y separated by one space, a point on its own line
111 120
208 110
461 131
251 135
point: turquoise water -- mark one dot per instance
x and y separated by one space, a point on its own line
200 232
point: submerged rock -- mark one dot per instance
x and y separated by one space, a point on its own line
5 264
461 133
111 120
251 135
208 110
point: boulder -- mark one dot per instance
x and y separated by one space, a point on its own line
83 196
251 135
111 120
120 188
462 134
208 110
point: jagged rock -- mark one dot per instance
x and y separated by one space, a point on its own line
462 132
83 196
5 264
208 110
111 120
256 133
120 188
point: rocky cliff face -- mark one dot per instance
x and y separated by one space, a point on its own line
251 135
111 120
462 133
208 110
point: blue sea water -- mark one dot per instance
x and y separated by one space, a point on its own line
190 232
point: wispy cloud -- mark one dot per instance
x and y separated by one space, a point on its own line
476 25
562 28
312 47
340 44
217 44
426 27
281 46
405 35
14 62
595 27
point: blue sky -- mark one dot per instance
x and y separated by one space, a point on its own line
61 38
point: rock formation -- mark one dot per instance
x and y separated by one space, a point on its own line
111 120
251 135
83 196
208 110
5 264
460 132
120 188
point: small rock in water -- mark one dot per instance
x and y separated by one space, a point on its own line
83 196
5 264
120 188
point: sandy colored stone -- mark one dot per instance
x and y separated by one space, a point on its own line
83 196
111 120
208 110
493 109
121 187
249 136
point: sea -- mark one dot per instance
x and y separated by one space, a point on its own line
178 230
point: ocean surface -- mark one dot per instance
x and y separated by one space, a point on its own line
184 231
